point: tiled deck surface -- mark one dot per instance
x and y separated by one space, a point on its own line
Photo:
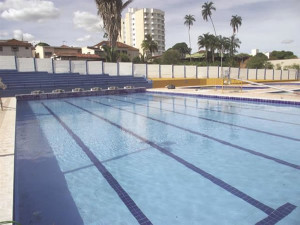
246 93
7 148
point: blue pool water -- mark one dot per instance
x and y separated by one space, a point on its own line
156 159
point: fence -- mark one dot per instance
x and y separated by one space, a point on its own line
138 70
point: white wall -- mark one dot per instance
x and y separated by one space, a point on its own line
61 66
78 67
166 71
140 70
190 71
202 72
128 69
269 74
7 63
178 71
110 68
125 69
94 67
25 64
23 52
153 71
44 65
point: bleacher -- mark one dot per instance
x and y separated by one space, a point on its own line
25 82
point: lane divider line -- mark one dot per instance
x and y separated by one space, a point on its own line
274 214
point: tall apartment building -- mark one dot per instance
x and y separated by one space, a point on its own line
140 22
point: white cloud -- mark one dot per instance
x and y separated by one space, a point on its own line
287 41
28 10
19 35
4 35
87 21
85 38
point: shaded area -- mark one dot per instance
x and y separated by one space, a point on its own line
41 194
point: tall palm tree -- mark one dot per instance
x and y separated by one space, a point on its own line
204 42
235 23
235 44
189 21
110 12
148 45
207 9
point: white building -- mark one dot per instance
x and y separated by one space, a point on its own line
254 52
140 22
16 48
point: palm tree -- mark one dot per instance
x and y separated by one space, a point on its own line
207 8
148 45
235 44
189 21
204 42
235 23
110 12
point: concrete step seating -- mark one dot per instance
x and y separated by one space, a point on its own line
25 82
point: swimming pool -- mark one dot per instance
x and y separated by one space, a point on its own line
156 159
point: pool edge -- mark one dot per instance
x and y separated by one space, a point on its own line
7 157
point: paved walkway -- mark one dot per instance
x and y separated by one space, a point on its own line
267 93
7 148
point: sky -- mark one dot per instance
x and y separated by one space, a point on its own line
267 25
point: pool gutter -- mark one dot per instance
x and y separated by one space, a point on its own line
27 97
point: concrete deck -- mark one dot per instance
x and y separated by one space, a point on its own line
264 94
7 150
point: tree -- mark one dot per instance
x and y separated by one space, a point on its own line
204 42
243 56
123 57
42 44
235 23
182 48
207 9
148 45
189 21
210 43
235 43
170 57
110 12
275 55
257 61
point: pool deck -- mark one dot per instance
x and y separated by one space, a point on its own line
237 94
8 121
7 150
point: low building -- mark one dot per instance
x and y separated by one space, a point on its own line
64 52
120 48
16 48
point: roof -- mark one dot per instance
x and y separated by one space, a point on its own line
89 56
78 55
119 45
196 55
14 42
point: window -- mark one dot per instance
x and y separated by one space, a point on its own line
15 49
1 48
48 54
26 48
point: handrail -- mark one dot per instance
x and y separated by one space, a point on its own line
265 85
